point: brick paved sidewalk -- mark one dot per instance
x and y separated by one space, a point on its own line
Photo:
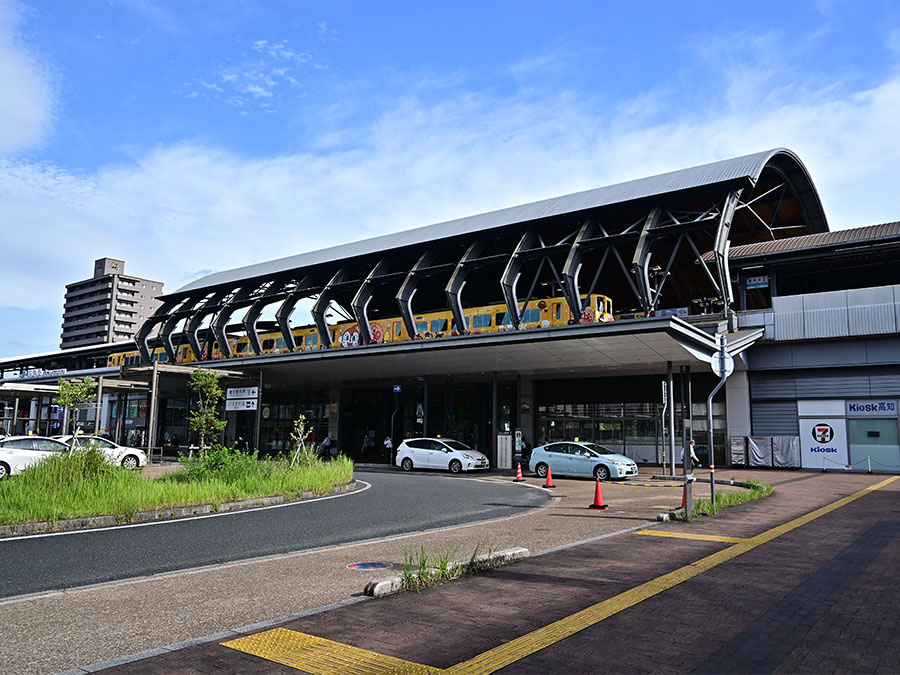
819 598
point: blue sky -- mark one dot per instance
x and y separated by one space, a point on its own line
187 137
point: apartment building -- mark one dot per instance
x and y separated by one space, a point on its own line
108 307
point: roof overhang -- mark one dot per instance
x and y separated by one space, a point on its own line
634 347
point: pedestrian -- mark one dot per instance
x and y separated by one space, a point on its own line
326 446
3 431
388 447
693 455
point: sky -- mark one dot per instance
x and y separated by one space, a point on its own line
192 136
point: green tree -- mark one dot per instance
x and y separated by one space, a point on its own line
205 418
73 396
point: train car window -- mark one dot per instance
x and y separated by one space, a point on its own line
481 320
421 327
311 339
268 344
154 357
438 325
164 357
531 315
557 308
280 343
585 302
397 328
241 347
504 319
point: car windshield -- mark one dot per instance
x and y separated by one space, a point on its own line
598 449
456 445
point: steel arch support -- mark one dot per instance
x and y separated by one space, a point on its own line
321 306
641 262
165 334
511 276
361 299
284 311
458 281
721 245
572 267
408 290
193 326
220 323
142 336
253 315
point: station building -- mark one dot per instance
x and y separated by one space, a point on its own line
595 315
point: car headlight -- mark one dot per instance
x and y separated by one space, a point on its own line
472 457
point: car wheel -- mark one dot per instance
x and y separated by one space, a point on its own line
541 470
4 470
601 472
406 464
455 466
130 462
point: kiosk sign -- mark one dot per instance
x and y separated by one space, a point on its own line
823 443
872 408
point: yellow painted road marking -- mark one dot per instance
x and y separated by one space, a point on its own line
690 535
324 657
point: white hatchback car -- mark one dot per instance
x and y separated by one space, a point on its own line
439 453
19 452
129 458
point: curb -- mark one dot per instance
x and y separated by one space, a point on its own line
171 513
380 588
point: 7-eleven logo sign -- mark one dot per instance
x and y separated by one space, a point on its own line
822 433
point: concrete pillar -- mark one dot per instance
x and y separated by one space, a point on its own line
334 408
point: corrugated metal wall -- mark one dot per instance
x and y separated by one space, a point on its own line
774 418
774 395
863 311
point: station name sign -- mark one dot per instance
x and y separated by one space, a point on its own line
35 373
242 392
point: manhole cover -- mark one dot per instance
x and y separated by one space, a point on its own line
369 566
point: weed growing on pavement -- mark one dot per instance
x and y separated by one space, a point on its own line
84 484
422 569
724 499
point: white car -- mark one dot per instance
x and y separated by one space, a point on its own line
439 453
19 452
129 458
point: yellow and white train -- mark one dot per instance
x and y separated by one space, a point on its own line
488 319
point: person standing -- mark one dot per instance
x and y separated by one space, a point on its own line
693 455
389 449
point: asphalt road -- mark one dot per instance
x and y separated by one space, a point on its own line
394 504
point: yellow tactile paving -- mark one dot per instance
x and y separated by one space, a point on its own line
690 535
324 657
319 656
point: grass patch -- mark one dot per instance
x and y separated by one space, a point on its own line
84 484
422 569
704 507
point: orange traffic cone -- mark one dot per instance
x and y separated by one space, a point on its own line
518 478
598 498
549 483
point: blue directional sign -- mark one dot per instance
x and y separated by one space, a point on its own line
396 388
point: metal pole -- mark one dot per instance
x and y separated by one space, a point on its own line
669 379
494 420
396 408
425 411
259 392
151 431
687 464
98 406
663 423
720 355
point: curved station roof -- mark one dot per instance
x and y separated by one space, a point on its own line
641 243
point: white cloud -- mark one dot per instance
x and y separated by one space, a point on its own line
26 96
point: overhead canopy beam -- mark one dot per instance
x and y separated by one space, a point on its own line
220 323
192 329
142 336
408 290
284 311
512 273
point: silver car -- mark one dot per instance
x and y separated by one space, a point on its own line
129 458
19 452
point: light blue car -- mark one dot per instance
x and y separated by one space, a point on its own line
582 458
